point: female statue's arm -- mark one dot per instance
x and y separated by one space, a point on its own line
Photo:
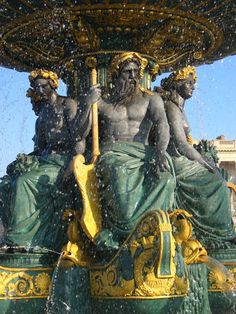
158 117
174 116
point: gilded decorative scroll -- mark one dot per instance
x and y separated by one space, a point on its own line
24 284
151 264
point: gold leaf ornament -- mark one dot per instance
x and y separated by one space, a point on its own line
44 74
184 73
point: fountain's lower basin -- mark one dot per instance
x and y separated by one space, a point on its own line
25 279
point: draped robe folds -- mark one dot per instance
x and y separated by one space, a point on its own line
129 187
33 204
206 196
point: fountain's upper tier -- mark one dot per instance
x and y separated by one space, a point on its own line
48 33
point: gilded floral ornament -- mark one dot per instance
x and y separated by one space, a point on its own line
45 74
182 225
193 252
42 282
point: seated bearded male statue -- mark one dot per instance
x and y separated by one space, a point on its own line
134 177
32 198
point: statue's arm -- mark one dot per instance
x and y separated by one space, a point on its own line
82 122
179 136
84 119
162 136
39 140
78 119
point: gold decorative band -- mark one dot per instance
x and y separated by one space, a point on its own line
141 297
24 283
165 227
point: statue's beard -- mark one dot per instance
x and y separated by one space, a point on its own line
123 91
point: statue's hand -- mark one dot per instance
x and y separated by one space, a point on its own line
211 168
216 171
67 174
161 164
94 94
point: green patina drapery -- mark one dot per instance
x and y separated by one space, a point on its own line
33 202
130 187
206 196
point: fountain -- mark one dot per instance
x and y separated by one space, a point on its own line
162 265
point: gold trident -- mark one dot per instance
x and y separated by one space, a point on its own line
91 218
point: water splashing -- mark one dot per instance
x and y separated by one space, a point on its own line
220 276
52 293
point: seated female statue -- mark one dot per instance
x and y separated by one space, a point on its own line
201 190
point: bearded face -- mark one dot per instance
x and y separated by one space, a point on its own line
42 87
126 84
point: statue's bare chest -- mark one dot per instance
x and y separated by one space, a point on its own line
135 111
52 119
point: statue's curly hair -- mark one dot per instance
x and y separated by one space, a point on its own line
177 77
120 59
52 76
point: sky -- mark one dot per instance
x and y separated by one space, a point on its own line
211 111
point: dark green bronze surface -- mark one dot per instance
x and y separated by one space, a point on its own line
160 306
33 203
199 189
130 186
197 299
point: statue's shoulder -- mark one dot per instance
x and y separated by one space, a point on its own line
146 91
68 102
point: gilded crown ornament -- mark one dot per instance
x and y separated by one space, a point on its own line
123 57
44 74
184 73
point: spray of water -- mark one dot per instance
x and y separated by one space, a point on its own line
51 300
219 275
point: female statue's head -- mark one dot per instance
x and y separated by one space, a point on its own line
181 81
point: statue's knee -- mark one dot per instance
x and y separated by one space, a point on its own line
169 179
20 181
